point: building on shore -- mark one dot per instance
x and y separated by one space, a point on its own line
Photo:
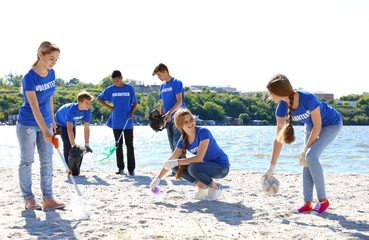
324 95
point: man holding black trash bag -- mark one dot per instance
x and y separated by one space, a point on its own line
66 118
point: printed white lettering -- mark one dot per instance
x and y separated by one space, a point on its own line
301 116
45 86
169 89
194 150
121 94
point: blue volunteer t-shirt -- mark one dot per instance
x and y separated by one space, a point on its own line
44 88
213 154
168 92
307 103
70 113
122 99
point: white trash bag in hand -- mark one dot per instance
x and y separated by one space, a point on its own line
269 183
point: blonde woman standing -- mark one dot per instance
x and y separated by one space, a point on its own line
209 162
36 125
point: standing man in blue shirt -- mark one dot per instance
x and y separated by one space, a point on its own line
124 101
171 93
66 118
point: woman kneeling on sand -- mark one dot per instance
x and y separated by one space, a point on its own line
209 161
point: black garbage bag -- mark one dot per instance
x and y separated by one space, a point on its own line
75 159
156 121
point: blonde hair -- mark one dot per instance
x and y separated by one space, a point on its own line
281 86
46 47
179 122
84 95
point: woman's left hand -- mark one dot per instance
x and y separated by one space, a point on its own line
170 164
302 157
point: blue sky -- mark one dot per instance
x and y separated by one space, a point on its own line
319 45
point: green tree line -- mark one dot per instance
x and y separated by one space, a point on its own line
206 104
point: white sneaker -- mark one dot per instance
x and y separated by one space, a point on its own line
213 194
203 192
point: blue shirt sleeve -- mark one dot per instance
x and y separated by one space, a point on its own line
180 143
105 95
28 83
70 114
87 116
312 102
204 134
133 95
282 109
178 87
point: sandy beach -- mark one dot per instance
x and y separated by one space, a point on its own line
124 208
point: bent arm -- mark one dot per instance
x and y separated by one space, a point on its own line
277 146
33 102
134 105
317 121
176 154
203 147
176 106
102 102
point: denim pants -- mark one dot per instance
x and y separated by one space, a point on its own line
128 139
203 172
66 143
313 173
29 137
173 135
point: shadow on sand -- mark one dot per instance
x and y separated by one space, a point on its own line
53 227
230 213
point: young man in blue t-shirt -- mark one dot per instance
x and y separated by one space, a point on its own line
66 118
172 96
123 98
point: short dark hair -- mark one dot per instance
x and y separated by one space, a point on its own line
160 68
116 74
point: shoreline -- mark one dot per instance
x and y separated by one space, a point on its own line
123 207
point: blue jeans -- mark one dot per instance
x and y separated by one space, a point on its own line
203 172
313 173
173 135
28 138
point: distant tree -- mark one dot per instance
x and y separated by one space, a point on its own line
73 82
245 117
13 80
213 111
9 104
363 103
59 82
351 97
105 82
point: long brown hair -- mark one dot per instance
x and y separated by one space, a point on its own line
281 86
179 122
46 47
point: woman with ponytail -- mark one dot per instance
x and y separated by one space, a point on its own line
209 162
322 125
36 125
